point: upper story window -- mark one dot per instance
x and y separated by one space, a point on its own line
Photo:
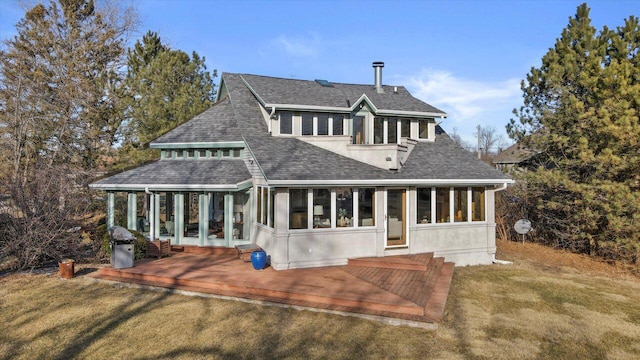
405 128
307 124
286 123
385 130
338 124
423 129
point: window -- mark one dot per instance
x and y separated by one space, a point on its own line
286 123
202 153
424 206
191 154
392 131
323 124
442 205
307 124
240 209
423 129
359 133
225 153
366 206
378 128
477 204
344 207
338 125
405 128
321 208
179 154
298 209
460 204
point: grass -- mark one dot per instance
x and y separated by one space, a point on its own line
547 305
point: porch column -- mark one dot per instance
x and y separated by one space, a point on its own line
132 211
203 221
156 214
111 205
179 217
228 219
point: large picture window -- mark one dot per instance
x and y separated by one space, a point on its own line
442 205
366 207
298 209
424 206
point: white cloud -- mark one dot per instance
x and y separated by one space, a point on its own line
298 46
467 102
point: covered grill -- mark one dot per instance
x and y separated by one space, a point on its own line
122 247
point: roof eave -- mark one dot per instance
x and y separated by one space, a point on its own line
390 182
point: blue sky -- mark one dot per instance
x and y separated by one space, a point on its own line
465 57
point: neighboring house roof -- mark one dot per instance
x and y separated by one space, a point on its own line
181 174
514 154
281 92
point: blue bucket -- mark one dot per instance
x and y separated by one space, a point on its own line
259 259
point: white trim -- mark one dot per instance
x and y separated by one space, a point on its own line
195 145
174 187
388 182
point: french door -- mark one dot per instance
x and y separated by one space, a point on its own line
396 217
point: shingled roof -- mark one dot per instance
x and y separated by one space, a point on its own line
279 91
192 174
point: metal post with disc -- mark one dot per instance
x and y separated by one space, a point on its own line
522 227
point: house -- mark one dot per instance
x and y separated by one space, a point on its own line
315 173
515 158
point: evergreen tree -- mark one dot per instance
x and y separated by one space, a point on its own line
581 113
164 88
59 81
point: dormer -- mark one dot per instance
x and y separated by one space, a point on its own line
374 124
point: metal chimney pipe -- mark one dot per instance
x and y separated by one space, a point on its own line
378 65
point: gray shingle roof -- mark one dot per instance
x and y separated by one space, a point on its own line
216 124
444 159
303 92
188 173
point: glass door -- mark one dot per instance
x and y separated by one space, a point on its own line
396 215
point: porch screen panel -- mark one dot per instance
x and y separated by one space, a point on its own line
460 201
167 225
477 204
272 199
259 205
298 209
442 205
424 206
191 215
366 207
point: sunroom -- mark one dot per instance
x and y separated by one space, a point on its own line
202 202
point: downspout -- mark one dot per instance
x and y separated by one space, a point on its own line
271 117
494 260
152 215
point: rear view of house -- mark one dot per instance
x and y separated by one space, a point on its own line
315 173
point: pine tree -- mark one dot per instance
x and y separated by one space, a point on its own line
581 113
164 88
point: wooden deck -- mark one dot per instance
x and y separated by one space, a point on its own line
410 288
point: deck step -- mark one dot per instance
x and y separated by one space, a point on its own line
434 309
203 250
407 262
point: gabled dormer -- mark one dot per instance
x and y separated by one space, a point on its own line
376 124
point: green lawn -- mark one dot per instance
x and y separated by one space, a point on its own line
529 310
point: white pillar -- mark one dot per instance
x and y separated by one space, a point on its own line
132 211
111 201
